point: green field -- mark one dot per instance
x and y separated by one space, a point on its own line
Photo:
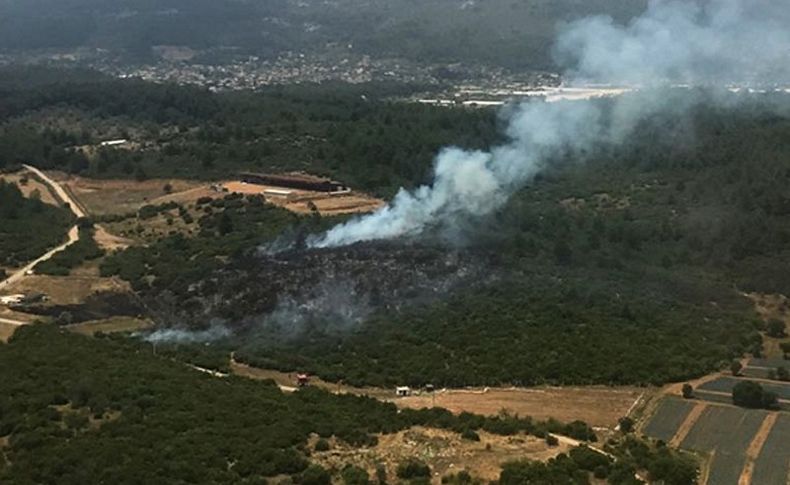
773 465
668 417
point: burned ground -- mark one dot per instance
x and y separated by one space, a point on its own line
333 289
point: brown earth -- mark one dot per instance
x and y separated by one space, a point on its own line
597 406
6 331
443 450
30 187
116 196
301 201
110 242
68 290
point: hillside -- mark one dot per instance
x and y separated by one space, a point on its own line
498 32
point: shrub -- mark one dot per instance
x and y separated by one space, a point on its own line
626 424
688 391
413 468
470 435
353 475
750 394
552 440
315 475
321 445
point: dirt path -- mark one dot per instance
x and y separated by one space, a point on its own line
755 447
687 424
60 191
73 236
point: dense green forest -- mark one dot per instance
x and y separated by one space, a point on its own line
640 252
28 227
78 410
351 132
499 32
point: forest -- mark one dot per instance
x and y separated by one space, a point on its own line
74 405
28 226
642 251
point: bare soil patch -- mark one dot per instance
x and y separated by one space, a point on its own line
597 406
69 290
443 450
6 331
116 196
31 186
303 201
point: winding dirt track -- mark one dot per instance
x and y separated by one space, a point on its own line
73 235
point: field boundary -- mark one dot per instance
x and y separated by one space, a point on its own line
755 447
687 424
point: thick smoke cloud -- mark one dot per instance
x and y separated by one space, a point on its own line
718 42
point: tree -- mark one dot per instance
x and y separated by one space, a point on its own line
688 391
626 424
775 329
316 475
413 468
353 475
168 188
225 224
782 373
785 346
750 394
735 367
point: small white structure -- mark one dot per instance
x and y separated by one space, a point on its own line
278 193
403 391
12 299
114 143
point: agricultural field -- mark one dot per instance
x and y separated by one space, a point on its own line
741 444
772 467
726 433
670 414
725 385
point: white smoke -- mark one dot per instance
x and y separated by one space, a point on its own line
174 335
712 43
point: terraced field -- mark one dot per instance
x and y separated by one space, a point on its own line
668 417
772 467
725 384
726 432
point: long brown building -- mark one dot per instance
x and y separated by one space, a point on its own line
294 181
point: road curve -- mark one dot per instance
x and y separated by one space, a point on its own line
73 236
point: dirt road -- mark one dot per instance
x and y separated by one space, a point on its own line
73 235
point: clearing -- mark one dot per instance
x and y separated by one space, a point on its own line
772 307
443 450
110 325
303 201
598 406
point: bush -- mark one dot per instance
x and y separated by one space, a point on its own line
688 391
413 468
353 475
775 329
470 435
552 440
750 394
626 424
321 445
315 475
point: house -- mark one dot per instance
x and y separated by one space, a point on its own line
403 391
12 299
302 380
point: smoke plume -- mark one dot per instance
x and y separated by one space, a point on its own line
709 43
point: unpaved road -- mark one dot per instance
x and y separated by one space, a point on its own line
73 235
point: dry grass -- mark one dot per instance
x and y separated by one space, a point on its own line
6 331
772 307
30 187
301 201
597 406
68 290
443 450
120 196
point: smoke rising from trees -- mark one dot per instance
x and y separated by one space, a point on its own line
715 43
